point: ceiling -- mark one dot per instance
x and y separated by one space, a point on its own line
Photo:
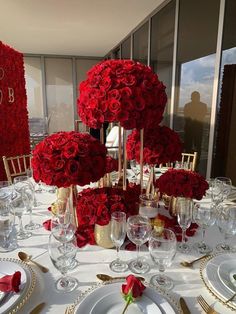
70 27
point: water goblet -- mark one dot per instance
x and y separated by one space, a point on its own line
118 233
204 214
24 181
226 222
162 248
184 217
18 207
63 257
138 231
226 186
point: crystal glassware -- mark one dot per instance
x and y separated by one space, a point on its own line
26 182
226 186
138 231
18 207
118 233
162 248
63 257
226 222
204 214
184 216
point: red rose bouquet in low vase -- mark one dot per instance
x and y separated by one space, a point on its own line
183 185
66 159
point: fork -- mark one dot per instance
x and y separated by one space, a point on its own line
206 307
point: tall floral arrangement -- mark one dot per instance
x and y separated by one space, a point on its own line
121 90
69 158
182 183
161 145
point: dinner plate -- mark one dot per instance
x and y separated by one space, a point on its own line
107 298
226 272
11 302
210 276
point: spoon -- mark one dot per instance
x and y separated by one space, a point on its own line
105 277
189 264
26 258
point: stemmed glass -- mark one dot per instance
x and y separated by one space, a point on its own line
184 216
226 186
138 231
204 214
63 257
226 222
24 181
162 248
118 233
18 207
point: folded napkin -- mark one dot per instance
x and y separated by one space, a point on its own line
10 283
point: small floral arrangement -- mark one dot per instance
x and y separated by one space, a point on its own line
124 91
132 290
67 158
161 145
10 283
182 183
95 206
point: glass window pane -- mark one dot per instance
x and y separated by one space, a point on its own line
126 49
140 44
59 91
33 77
162 44
197 38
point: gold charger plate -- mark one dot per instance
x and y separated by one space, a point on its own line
28 288
213 283
162 295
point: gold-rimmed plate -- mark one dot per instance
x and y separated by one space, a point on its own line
153 300
13 302
210 277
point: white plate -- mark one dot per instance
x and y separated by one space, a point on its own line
108 299
226 271
211 278
14 301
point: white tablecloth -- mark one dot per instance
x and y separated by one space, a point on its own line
93 260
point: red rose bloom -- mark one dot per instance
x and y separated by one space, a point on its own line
67 158
115 90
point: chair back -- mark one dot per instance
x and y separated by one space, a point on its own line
191 159
16 166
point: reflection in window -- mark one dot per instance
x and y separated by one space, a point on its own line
195 74
140 44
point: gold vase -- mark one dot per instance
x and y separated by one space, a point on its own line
102 236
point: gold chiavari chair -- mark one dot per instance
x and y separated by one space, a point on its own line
16 166
191 159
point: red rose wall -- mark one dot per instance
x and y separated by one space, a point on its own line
14 129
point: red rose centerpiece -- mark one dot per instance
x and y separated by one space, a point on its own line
121 90
69 158
182 183
132 290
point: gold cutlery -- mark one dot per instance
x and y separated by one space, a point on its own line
189 264
231 298
105 277
37 309
184 306
26 258
205 306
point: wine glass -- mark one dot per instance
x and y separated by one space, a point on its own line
162 248
24 181
118 233
184 216
138 231
226 186
63 257
226 222
18 207
62 225
204 214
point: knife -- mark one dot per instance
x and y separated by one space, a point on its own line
184 306
37 308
